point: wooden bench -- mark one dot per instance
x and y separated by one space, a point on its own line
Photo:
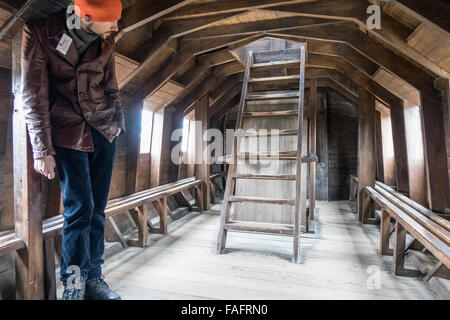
428 230
141 200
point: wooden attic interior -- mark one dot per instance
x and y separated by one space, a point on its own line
375 121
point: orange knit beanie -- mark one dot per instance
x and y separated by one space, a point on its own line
100 10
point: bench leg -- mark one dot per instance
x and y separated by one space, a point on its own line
199 197
399 254
163 215
415 245
213 192
366 208
118 233
224 183
439 270
351 197
142 225
49 270
384 230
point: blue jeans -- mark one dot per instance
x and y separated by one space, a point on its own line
85 179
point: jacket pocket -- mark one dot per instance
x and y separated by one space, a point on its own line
63 115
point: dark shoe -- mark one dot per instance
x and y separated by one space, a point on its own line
75 292
97 289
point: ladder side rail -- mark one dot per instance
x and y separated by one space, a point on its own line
221 240
296 256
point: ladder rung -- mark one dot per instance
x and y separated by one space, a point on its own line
276 55
267 154
260 228
272 133
270 113
270 79
275 64
261 200
265 177
272 96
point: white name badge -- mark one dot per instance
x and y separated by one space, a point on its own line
64 44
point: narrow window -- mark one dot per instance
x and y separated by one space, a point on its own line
146 131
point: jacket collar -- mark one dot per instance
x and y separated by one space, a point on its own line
56 26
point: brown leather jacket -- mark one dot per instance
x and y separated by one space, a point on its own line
65 94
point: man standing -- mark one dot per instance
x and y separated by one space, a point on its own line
73 113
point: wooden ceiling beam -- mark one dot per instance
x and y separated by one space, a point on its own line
15 17
360 44
348 33
250 28
229 69
145 11
187 26
333 85
225 98
223 110
356 75
437 13
158 43
223 88
209 84
205 9
392 35
206 45
195 75
334 76
163 36
156 81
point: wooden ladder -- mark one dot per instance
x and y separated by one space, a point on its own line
226 224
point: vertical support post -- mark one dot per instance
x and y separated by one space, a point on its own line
389 158
443 85
202 167
416 154
50 274
399 254
312 146
213 191
436 155
161 162
158 121
199 202
380 174
300 181
400 150
366 151
133 136
163 215
28 208
165 153
142 225
384 230
399 249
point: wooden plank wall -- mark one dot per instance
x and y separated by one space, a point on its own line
342 154
322 148
7 274
6 165
342 132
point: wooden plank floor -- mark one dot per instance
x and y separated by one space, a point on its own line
336 263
